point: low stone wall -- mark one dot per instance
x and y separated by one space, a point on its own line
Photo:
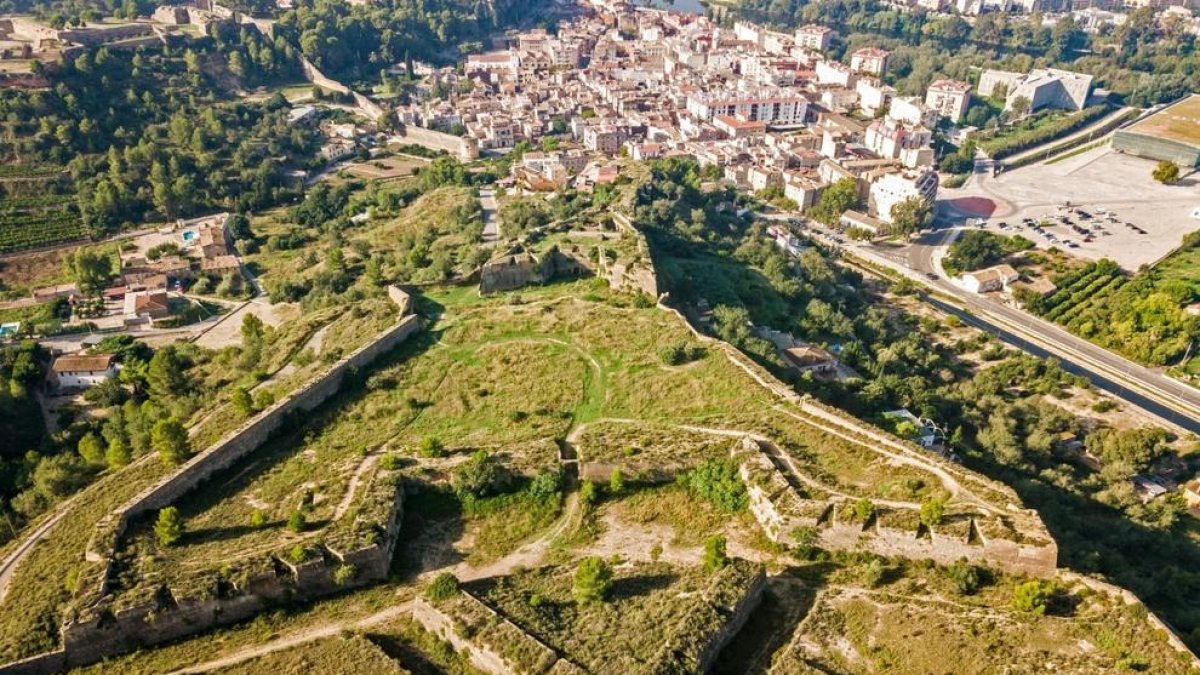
97 626
42 664
488 655
784 514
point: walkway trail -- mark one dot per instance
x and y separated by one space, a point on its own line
318 632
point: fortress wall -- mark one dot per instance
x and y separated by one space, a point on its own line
101 632
463 148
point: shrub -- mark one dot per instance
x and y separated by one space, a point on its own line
616 482
443 586
168 530
593 580
715 557
1032 597
717 481
258 519
587 493
298 554
966 577
479 476
344 574
297 522
680 353
864 509
431 447
932 511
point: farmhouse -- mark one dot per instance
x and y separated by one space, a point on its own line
991 279
77 371
154 304
810 359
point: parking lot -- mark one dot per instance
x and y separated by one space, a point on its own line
1116 210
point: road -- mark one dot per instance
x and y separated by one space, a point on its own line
1175 402
491 216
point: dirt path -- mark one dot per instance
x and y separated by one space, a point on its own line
318 632
352 489
526 556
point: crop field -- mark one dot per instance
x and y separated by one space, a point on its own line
1079 289
27 229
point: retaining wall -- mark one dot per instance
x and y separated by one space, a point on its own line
96 627
781 512
464 149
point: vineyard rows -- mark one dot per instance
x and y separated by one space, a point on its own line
39 228
1077 291
33 202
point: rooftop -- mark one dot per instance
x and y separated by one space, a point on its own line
1179 122
81 363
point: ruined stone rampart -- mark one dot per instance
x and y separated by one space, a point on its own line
790 517
516 269
492 643
498 646
357 549
465 149
694 644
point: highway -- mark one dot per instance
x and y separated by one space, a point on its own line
1175 403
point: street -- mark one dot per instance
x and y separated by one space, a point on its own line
1175 403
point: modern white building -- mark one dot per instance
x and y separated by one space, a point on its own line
891 189
813 36
870 60
1043 88
770 106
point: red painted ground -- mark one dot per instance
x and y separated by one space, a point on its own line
974 207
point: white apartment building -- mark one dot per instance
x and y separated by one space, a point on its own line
891 189
770 106
605 138
832 72
813 36
949 98
873 95
910 110
508 61
870 60
889 138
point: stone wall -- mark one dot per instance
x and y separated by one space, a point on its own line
514 270
465 149
731 597
458 625
822 520
42 664
99 625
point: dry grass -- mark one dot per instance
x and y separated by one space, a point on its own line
344 654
